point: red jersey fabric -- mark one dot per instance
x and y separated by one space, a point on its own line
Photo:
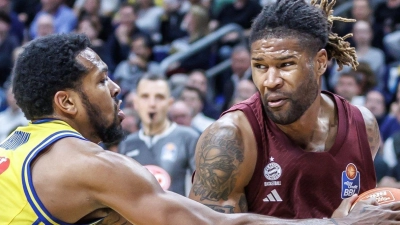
291 183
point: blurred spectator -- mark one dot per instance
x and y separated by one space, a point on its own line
366 76
391 151
388 124
17 26
244 90
195 23
26 10
129 71
240 70
106 7
7 45
91 9
131 122
375 102
91 27
395 103
119 41
387 20
165 148
391 80
171 21
241 12
392 44
198 79
348 86
45 25
177 83
149 18
180 113
194 98
11 117
360 11
375 57
65 20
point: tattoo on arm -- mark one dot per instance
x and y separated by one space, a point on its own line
220 155
221 209
374 138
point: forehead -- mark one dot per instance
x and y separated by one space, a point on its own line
276 47
91 60
153 87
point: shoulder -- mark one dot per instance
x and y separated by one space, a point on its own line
372 128
368 117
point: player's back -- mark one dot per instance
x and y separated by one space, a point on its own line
19 202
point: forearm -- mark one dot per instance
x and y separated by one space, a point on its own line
252 219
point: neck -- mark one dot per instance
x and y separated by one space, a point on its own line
311 131
155 129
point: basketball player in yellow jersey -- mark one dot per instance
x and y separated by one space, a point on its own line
53 172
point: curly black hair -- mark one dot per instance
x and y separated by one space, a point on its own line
310 23
45 66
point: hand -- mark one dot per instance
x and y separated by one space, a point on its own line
344 207
368 212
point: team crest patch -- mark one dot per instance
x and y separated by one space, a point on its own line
169 152
350 181
272 172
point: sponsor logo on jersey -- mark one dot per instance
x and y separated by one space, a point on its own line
272 172
169 152
350 181
4 164
162 176
273 197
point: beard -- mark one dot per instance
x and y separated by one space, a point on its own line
298 101
108 134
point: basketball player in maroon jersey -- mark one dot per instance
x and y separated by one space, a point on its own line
291 150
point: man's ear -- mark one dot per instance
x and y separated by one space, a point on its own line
322 61
65 102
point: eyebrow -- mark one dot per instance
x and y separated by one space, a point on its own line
275 58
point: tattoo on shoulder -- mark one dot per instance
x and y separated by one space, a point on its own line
373 135
222 209
220 155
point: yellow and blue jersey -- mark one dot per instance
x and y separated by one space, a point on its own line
19 203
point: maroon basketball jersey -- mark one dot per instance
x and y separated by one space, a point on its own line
290 183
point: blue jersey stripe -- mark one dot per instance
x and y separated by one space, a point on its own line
26 173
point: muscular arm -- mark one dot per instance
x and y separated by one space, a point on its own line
224 166
373 134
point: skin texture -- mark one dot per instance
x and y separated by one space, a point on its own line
225 153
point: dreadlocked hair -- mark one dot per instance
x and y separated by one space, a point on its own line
310 23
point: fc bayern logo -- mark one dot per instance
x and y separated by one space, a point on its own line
272 171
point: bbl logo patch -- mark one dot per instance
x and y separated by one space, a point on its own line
350 181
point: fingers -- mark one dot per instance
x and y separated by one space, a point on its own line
344 207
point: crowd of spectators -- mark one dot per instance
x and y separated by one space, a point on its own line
133 37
